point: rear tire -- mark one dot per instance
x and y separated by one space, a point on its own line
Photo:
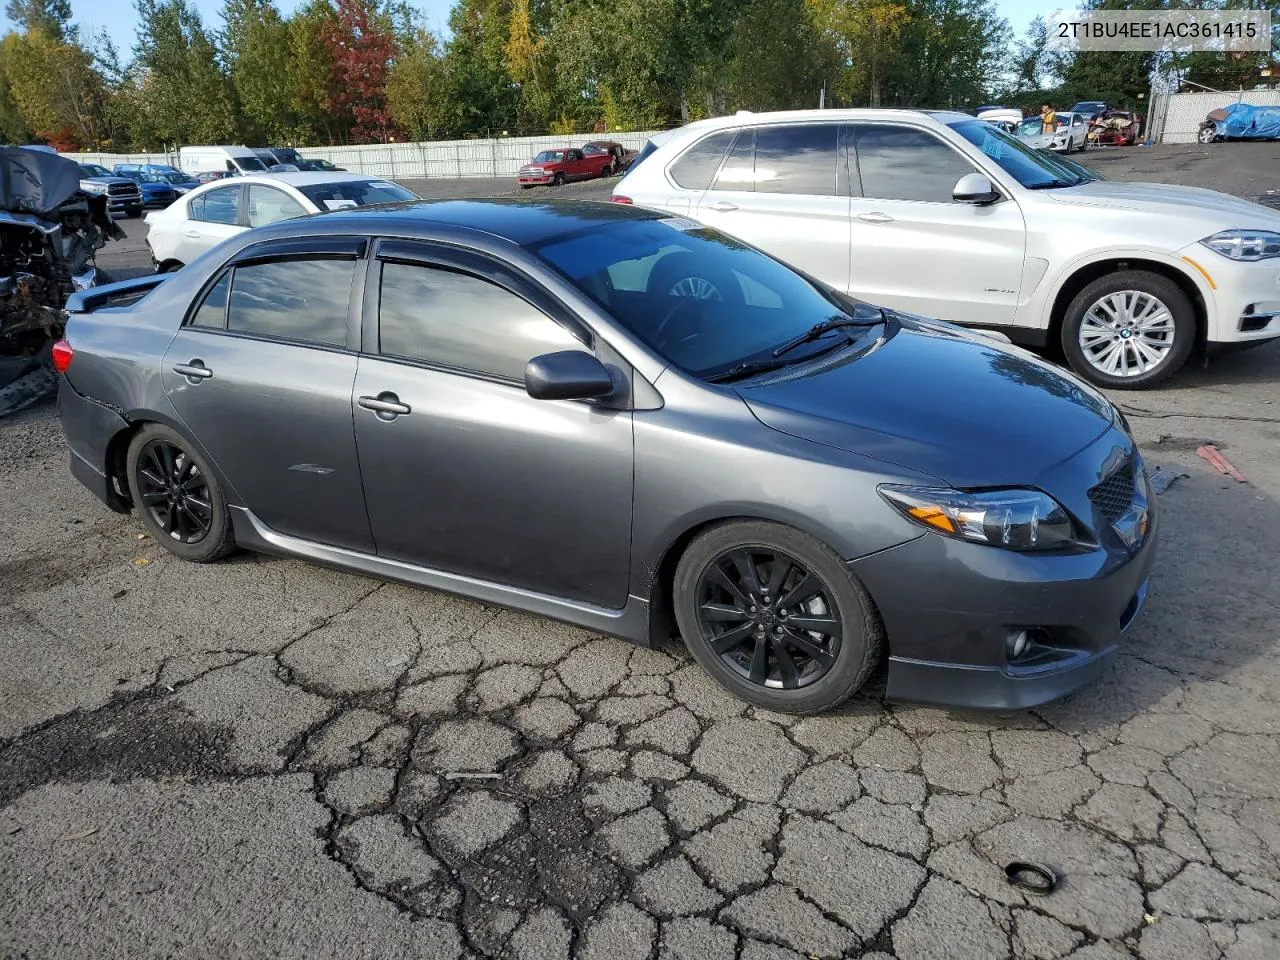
1093 310
160 459
811 643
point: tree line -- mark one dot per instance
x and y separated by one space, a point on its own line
359 71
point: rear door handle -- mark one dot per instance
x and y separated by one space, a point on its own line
875 217
386 405
194 370
722 206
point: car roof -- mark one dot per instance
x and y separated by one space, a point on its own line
523 222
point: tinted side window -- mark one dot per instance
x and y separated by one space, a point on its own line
899 163
797 159
698 165
461 321
213 311
267 205
739 171
221 206
292 299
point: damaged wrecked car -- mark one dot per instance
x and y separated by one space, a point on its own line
49 233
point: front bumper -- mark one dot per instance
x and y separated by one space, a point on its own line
1243 303
534 179
949 606
118 203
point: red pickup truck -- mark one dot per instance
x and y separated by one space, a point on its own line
559 166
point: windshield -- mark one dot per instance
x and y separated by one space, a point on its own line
250 163
93 170
287 156
353 193
1030 127
1031 168
702 300
549 156
1089 106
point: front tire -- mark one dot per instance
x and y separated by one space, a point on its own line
1129 330
558 180
177 496
1208 133
775 617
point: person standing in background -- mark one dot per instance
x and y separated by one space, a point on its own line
1048 119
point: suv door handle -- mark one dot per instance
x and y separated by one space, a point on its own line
875 217
386 405
191 234
722 206
193 370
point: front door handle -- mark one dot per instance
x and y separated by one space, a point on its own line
875 217
191 234
194 370
722 206
386 405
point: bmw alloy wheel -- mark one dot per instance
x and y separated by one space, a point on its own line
1127 333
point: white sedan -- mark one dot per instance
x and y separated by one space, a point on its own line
208 215
1071 132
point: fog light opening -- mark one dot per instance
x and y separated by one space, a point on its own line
1017 643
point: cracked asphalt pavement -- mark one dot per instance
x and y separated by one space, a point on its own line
264 758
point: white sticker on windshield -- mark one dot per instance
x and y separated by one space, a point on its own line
338 204
681 223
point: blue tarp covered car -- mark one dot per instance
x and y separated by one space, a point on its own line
1241 121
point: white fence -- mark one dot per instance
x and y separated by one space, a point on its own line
1184 112
451 159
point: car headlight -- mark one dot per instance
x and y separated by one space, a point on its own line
93 187
1013 519
1245 244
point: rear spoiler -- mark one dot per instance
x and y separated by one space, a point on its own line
117 294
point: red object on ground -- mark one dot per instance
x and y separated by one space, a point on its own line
1210 454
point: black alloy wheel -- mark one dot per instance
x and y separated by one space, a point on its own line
769 618
174 491
177 496
776 616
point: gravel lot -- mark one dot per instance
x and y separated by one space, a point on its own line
263 758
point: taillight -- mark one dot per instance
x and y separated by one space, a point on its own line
62 354
617 198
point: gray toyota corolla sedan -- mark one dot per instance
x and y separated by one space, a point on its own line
627 421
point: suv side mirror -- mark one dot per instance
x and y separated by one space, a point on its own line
976 189
567 375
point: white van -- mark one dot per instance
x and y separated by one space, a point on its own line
196 160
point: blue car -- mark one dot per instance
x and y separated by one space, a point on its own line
160 185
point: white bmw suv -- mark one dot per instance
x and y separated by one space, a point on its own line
945 215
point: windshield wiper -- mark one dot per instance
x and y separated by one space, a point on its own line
825 327
1056 182
748 368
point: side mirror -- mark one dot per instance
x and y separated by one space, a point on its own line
974 188
567 375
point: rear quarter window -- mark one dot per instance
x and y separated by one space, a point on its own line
699 163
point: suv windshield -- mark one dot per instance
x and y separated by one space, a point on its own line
353 193
701 299
1033 169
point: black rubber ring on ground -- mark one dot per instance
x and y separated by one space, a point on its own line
1034 878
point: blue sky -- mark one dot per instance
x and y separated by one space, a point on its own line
119 19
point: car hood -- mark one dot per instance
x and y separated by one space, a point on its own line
941 400
1168 198
105 180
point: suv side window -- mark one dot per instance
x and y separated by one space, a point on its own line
903 163
267 205
797 158
460 321
699 163
298 299
220 206
739 171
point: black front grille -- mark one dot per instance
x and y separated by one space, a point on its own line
1114 495
118 188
